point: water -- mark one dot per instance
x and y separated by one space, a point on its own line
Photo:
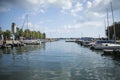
57 61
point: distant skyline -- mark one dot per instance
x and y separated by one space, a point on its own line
60 18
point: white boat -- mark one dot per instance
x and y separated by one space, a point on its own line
70 40
105 44
87 43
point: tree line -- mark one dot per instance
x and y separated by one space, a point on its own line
26 34
110 30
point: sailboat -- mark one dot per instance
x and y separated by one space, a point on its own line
106 44
29 41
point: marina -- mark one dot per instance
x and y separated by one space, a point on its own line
60 40
57 60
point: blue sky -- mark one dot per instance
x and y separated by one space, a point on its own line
59 18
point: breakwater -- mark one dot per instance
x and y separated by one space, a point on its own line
17 43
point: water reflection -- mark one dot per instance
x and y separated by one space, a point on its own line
5 51
57 61
20 50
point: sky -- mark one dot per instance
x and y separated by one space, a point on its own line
60 18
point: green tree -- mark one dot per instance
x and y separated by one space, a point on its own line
1 32
33 34
21 32
43 36
111 30
27 33
7 34
39 34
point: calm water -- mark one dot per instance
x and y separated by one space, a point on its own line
57 61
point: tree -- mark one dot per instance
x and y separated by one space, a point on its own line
1 32
39 34
7 34
21 32
33 34
27 33
43 36
111 30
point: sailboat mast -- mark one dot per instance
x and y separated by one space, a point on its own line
108 25
27 24
27 20
105 28
113 23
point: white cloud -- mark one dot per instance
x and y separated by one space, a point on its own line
95 5
88 27
35 27
89 4
95 16
92 12
100 5
68 29
66 4
62 4
52 1
42 11
39 5
78 7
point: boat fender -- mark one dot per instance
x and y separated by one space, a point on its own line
106 45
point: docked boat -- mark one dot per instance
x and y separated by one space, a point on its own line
70 40
87 43
105 44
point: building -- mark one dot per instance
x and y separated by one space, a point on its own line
13 28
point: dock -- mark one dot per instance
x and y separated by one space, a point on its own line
112 52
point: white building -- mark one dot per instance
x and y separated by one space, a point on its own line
13 28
